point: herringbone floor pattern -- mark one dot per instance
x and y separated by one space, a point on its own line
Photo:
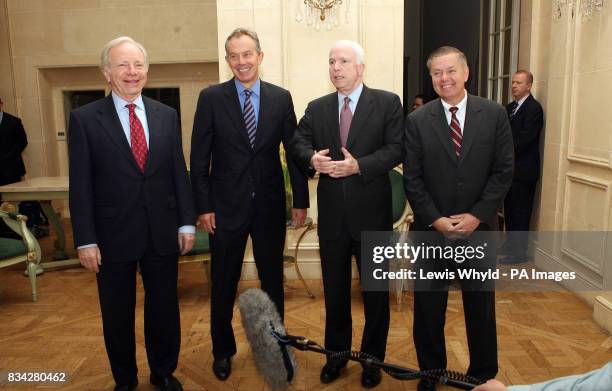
541 335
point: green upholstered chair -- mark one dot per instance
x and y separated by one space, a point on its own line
13 251
200 253
402 219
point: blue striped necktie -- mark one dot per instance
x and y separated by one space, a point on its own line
249 117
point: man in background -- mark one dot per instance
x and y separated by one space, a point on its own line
526 119
13 141
419 100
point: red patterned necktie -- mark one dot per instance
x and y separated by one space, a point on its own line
137 138
456 134
346 117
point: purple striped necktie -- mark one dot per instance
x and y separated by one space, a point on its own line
346 117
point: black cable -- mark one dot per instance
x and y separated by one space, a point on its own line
442 376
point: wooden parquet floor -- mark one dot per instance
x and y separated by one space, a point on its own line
541 335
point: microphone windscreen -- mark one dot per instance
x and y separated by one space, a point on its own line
259 318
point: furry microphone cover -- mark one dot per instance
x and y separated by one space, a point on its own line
259 315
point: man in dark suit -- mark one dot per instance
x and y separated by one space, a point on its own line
13 141
238 183
353 138
457 170
131 206
526 119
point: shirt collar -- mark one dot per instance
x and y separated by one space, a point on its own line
256 88
460 106
522 100
353 96
120 103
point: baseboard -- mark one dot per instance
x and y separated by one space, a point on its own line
602 311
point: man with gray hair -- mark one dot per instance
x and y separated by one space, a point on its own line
238 183
131 206
353 138
457 170
13 141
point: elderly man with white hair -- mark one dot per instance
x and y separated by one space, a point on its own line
131 206
353 137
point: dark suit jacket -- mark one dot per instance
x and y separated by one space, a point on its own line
112 203
226 171
438 184
526 126
13 141
375 140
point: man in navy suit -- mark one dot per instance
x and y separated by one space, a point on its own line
131 205
526 119
238 183
13 141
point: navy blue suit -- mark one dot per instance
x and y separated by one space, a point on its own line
13 141
134 218
526 125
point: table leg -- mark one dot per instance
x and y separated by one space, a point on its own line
60 241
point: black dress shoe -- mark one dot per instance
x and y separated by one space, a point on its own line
165 383
370 378
127 387
222 367
331 371
426 385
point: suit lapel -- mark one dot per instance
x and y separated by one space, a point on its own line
107 115
154 123
362 112
265 100
471 126
521 108
442 129
333 123
232 105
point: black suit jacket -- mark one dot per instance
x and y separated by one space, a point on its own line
13 141
226 172
526 126
438 184
375 140
112 202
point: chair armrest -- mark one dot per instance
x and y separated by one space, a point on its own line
17 223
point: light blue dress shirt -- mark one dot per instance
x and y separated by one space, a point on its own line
255 96
353 96
597 380
124 115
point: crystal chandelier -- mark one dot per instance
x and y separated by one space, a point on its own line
321 14
586 8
